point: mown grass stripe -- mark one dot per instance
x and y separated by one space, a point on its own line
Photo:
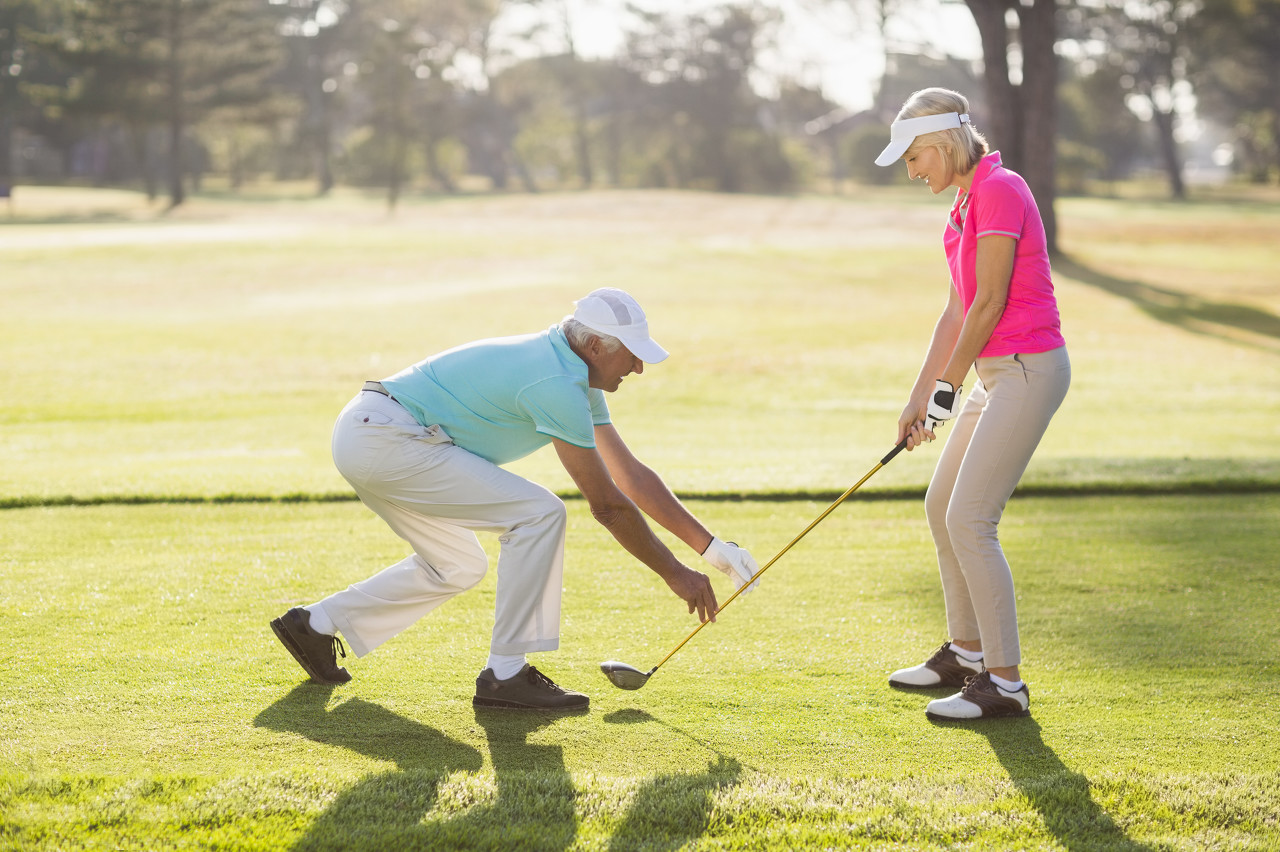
1072 490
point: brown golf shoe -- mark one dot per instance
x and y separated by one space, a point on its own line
945 668
530 689
981 699
316 652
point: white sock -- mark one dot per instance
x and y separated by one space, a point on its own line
971 656
320 620
505 666
1007 685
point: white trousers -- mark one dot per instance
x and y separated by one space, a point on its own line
435 495
990 445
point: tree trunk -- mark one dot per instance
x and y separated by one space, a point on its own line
434 168
324 116
1039 90
581 137
1001 125
1023 117
177 118
8 102
1164 122
395 179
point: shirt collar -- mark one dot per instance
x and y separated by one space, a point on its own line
986 166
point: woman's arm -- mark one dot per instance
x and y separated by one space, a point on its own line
945 333
994 270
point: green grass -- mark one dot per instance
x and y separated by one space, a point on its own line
167 490
207 356
156 709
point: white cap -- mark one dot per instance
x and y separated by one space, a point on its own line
904 131
613 312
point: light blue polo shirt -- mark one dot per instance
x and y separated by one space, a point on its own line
506 397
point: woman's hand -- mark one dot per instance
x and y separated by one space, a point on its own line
911 423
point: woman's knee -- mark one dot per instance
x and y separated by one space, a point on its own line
936 504
968 529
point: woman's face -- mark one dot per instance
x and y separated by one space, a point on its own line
929 164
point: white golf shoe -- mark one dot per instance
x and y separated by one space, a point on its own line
944 668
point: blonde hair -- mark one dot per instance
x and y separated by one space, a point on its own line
964 145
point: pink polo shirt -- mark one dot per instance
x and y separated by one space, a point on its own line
999 202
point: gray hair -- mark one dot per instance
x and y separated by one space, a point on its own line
579 334
964 145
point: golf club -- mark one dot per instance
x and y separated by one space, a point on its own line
624 676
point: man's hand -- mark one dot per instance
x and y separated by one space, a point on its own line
732 560
694 588
944 404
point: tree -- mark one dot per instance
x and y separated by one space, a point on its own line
23 70
320 35
1022 98
697 71
166 61
1234 64
1098 135
1146 43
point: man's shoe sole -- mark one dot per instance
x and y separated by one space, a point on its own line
282 633
499 704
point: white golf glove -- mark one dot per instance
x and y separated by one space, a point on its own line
944 404
732 560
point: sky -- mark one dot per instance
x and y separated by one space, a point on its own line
821 44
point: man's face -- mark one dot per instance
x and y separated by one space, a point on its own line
605 369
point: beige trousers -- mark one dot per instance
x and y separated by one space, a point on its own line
988 449
435 495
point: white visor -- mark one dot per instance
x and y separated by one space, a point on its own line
904 132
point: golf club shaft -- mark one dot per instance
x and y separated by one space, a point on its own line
884 461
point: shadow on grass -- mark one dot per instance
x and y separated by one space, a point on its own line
1183 310
383 810
671 811
1060 794
93 217
534 806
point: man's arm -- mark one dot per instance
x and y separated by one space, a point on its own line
616 512
646 488
648 491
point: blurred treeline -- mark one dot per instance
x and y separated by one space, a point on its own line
450 95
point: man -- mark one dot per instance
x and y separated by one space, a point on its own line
424 448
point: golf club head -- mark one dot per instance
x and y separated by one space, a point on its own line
624 676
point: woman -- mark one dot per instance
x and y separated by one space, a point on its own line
1002 319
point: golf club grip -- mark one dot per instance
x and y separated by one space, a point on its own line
899 448
902 445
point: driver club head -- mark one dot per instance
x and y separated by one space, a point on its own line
624 676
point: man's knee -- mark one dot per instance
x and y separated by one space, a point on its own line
550 512
458 575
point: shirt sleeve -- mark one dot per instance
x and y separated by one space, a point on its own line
561 408
999 210
599 408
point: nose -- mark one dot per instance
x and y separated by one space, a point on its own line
638 367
